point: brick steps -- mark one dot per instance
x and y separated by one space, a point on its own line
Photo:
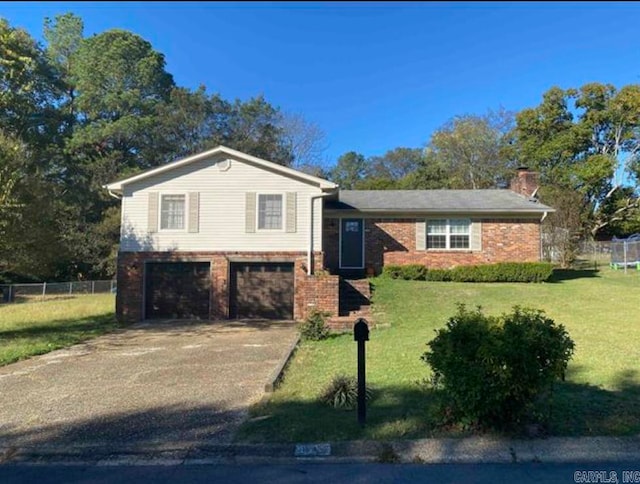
355 295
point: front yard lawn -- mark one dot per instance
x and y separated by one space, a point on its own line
601 395
34 328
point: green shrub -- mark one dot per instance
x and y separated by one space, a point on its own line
342 392
440 275
414 272
504 272
314 327
409 272
500 272
392 271
493 371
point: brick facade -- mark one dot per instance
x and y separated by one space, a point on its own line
387 241
393 241
318 292
309 291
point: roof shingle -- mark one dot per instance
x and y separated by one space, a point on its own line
467 201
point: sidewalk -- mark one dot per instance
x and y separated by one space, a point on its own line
427 451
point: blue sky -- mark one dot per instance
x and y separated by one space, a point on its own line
375 76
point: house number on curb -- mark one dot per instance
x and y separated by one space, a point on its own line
361 335
312 450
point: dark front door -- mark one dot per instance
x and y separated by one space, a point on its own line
179 290
351 243
261 290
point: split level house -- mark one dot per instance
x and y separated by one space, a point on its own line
223 234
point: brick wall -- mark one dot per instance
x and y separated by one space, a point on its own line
130 276
330 242
393 241
319 292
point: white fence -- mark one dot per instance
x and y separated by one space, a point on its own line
13 292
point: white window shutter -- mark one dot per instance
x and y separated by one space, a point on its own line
152 213
194 212
421 234
291 211
250 212
476 235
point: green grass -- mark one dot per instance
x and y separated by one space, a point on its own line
600 397
34 328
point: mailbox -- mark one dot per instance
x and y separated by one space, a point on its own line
361 330
361 335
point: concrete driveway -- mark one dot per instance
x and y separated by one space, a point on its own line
170 384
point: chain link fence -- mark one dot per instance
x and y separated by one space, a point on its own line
44 290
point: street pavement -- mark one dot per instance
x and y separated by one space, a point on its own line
533 473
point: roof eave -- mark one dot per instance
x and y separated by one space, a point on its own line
320 182
444 210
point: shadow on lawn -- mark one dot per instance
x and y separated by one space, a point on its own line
60 327
394 412
409 412
561 275
585 409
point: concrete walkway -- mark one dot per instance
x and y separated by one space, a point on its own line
173 384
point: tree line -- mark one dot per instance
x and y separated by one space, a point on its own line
77 112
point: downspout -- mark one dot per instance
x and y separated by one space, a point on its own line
114 195
544 215
310 247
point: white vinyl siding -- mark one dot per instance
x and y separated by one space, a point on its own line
449 234
222 221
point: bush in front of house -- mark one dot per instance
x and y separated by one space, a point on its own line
500 272
504 272
495 372
314 327
342 392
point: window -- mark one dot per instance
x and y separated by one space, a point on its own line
172 212
350 226
448 234
269 212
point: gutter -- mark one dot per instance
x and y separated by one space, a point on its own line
113 194
310 246
544 215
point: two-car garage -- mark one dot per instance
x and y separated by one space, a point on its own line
183 290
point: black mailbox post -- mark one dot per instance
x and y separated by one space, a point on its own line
361 335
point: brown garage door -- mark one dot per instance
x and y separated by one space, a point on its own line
179 290
261 290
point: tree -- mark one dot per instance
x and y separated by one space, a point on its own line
194 121
588 140
27 86
350 169
562 229
472 150
64 36
120 80
304 140
30 148
254 127
395 164
430 174
28 232
190 122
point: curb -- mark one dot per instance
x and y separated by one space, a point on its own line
276 374
471 450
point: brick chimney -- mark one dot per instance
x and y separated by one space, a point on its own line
525 182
